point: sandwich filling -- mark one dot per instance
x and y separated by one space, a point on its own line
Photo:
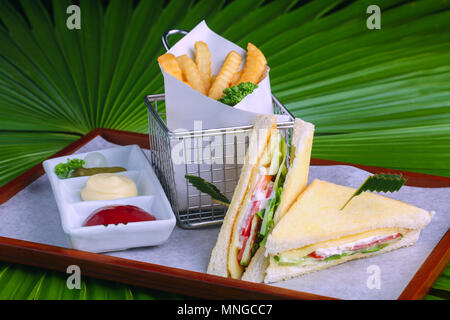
328 251
258 218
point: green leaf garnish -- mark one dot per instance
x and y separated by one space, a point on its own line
63 170
381 183
375 248
233 95
208 188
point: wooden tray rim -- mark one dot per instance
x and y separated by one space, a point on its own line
179 280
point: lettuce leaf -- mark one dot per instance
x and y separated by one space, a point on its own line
282 260
268 214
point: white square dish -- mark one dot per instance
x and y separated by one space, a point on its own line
151 197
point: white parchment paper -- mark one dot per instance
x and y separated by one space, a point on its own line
32 215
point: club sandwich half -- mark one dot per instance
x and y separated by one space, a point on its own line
316 234
266 188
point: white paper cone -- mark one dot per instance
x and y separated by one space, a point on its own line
185 105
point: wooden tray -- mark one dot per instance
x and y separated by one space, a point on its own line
181 281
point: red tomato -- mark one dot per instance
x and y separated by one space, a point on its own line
367 245
262 183
249 218
315 256
269 189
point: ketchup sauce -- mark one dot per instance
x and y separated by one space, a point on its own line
117 214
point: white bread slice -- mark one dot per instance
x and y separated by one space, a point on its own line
297 177
256 269
294 185
276 272
316 216
259 138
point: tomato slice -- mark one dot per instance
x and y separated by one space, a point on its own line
315 256
248 221
245 253
367 245
360 246
265 186
261 185
269 189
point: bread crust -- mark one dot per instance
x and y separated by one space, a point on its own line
294 185
259 138
256 270
279 273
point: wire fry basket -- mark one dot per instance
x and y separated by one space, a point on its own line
216 155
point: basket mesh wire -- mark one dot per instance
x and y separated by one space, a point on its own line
215 155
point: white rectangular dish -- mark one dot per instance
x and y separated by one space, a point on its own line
151 197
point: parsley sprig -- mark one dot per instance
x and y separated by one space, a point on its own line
233 95
64 169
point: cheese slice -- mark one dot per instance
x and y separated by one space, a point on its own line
304 251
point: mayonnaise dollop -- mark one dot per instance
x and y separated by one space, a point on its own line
326 252
107 186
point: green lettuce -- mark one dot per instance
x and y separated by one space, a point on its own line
374 248
268 213
282 260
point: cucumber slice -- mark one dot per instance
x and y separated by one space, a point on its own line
268 153
247 255
276 157
283 260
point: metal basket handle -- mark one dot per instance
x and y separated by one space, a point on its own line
170 33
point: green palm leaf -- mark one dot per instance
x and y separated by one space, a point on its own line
28 283
377 97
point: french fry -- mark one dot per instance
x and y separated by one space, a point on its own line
254 66
203 61
225 75
170 65
235 80
190 71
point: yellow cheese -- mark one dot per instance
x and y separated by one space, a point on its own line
304 251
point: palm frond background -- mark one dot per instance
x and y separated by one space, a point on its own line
377 97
